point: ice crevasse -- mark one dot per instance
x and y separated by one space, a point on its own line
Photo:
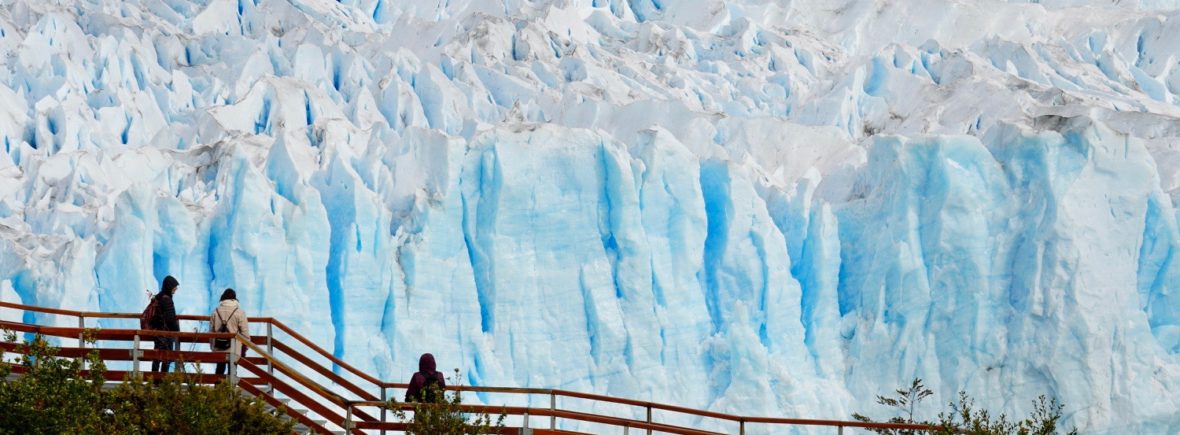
748 207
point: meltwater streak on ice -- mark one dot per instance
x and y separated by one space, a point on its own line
748 207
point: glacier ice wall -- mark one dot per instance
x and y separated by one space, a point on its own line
754 207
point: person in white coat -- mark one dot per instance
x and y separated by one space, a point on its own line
230 315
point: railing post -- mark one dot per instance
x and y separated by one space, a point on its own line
81 337
270 349
135 357
552 407
742 427
839 430
383 399
526 421
347 417
649 417
232 354
81 334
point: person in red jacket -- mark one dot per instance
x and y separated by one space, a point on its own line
419 389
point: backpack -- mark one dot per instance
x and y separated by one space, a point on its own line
222 343
147 320
431 389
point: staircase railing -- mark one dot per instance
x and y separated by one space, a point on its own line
347 409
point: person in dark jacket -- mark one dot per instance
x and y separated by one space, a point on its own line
427 376
165 320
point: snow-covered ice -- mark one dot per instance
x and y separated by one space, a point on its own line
759 207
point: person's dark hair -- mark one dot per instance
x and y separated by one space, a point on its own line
169 285
229 294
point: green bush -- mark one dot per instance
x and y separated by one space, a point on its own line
56 396
52 397
962 418
445 415
179 406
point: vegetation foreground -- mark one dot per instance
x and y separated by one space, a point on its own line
57 396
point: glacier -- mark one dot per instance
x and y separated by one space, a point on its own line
758 207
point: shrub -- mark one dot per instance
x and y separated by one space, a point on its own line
179 405
52 397
963 418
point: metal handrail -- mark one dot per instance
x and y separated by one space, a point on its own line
338 400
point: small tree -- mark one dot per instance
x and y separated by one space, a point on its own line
445 416
907 399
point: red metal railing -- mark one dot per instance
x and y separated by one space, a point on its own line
274 368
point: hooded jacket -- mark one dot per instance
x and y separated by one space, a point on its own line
426 375
230 312
165 313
